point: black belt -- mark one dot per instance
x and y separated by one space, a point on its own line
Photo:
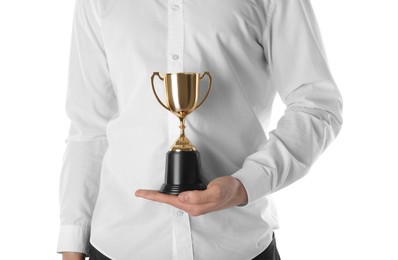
270 253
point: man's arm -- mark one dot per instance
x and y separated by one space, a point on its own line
72 256
299 71
221 193
90 104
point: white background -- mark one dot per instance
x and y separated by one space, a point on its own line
345 208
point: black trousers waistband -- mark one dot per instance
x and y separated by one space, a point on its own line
270 253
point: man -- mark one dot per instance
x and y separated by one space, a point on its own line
119 134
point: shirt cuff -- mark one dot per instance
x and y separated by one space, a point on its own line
73 238
255 181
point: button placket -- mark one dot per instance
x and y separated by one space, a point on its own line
182 243
180 213
175 7
175 48
182 235
175 36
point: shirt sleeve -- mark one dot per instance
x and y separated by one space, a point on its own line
90 104
299 72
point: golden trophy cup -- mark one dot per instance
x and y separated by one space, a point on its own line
183 167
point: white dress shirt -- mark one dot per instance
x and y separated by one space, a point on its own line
119 134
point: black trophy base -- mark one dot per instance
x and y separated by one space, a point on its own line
178 188
183 172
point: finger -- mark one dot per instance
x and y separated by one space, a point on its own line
210 195
155 195
191 209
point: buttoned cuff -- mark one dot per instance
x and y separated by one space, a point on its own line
73 238
255 180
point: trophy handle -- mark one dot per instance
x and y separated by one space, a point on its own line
154 91
208 87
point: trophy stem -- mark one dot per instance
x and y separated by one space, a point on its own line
182 127
182 143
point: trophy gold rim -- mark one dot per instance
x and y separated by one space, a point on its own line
179 73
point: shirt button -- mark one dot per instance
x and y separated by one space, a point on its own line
180 213
175 7
175 57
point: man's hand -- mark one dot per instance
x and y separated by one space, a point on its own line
221 193
72 256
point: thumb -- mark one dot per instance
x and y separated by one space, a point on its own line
196 196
